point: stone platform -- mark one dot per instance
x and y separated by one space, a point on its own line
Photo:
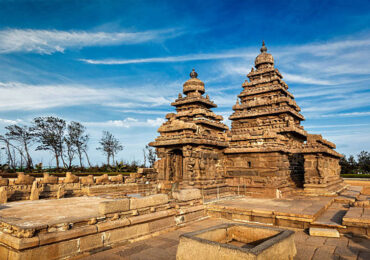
297 212
41 214
164 246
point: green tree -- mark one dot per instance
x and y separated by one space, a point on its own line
24 136
49 132
109 145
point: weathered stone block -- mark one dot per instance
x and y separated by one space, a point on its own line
23 179
35 192
52 237
103 226
71 178
117 178
91 242
87 180
49 179
122 234
4 181
3 195
113 206
324 232
102 179
148 201
187 194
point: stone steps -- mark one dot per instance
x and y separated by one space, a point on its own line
331 217
350 195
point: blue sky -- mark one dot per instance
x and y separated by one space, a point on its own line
117 65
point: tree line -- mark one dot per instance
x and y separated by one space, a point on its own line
67 142
361 165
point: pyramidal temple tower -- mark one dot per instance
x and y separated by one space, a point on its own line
269 151
191 142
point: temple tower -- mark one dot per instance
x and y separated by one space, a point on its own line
191 141
266 138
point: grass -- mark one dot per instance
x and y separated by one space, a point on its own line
355 175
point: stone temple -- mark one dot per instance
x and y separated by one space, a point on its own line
266 153
249 192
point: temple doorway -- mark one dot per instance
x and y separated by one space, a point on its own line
176 168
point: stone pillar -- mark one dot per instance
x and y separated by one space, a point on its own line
3 195
60 192
35 192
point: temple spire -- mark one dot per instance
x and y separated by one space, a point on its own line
264 48
193 74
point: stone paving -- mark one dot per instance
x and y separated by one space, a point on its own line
164 246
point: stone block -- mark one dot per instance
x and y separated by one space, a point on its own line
61 192
87 180
160 224
91 242
4 181
35 192
151 216
18 243
3 195
54 251
71 178
113 206
324 232
148 201
103 226
53 237
117 178
23 179
187 194
49 179
122 234
102 179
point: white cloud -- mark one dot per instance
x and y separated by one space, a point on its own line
10 121
127 123
33 97
190 57
292 78
50 41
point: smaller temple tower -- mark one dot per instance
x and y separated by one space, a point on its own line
191 142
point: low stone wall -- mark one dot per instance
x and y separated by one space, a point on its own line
118 221
72 185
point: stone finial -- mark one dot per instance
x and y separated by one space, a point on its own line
237 101
264 48
207 97
193 74
180 96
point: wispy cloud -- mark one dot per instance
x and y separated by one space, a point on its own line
128 122
50 41
34 97
190 57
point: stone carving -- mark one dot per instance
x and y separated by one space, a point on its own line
190 138
267 148
61 192
117 178
49 179
35 192
87 179
102 179
23 179
71 178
